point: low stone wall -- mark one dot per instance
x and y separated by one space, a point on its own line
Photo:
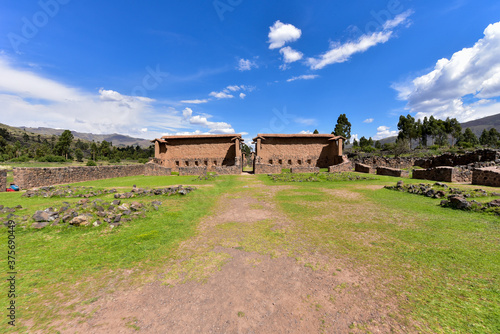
376 161
304 169
266 169
449 159
488 176
152 169
3 180
30 177
228 170
346 166
392 172
444 174
192 171
361 168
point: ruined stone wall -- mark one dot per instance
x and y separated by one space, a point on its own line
228 170
192 171
346 166
3 180
198 152
30 177
290 152
304 169
449 159
361 168
266 169
444 174
376 161
152 169
392 172
488 176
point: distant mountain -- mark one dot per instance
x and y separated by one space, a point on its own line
117 139
477 126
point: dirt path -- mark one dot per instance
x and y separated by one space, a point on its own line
229 279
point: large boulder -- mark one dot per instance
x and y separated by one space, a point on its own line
79 221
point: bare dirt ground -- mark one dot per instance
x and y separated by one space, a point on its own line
218 285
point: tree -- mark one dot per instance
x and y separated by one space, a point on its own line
468 139
316 132
355 143
64 143
363 142
407 128
455 130
246 149
484 139
343 128
378 145
105 148
94 150
79 155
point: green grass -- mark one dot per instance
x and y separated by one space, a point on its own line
55 261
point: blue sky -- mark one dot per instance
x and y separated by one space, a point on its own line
237 66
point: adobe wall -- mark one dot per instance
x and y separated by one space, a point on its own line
192 170
444 174
198 152
152 169
343 167
3 180
362 168
288 152
304 169
30 177
488 176
392 172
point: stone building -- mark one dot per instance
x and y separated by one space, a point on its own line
199 153
305 151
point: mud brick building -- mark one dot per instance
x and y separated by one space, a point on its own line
218 153
276 151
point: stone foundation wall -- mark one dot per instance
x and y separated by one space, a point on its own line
361 168
444 174
3 180
31 177
343 167
449 159
229 170
266 169
488 176
192 171
376 161
152 169
392 172
304 169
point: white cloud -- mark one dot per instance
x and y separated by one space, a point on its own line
465 87
340 53
47 103
234 88
242 95
354 138
281 33
305 121
246 65
290 55
368 120
197 101
305 132
303 77
384 132
221 95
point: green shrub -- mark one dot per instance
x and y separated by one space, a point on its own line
91 163
51 158
143 160
23 158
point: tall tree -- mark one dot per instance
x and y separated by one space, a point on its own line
316 132
407 128
64 143
343 128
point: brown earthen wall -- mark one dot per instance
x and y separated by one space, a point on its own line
192 171
343 167
152 169
445 174
198 152
309 151
30 177
362 168
392 172
489 176
3 180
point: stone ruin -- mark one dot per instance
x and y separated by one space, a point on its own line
198 154
304 153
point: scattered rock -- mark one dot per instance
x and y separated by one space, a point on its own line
79 221
40 225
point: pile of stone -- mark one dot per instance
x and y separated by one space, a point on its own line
461 203
11 214
67 191
135 192
93 213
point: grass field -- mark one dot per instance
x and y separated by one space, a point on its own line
442 266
